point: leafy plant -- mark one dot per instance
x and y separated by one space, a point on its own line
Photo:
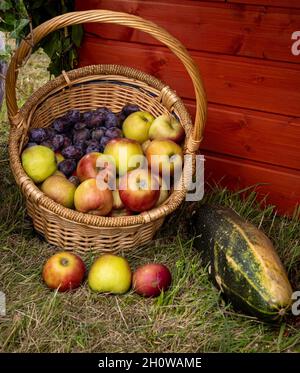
18 17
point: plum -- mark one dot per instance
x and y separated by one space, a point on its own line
67 167
37 135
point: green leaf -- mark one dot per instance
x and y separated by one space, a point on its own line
5 5
18 31
77 34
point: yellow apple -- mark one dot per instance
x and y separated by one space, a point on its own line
60 190
39 162
127 154
136 126
110 274
166 127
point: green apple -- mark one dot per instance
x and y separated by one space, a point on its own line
166 127
136 126
39 162
127 154
110 274
59 189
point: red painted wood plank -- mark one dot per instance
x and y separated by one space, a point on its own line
280 3
220 28
281 186
251 135
242 82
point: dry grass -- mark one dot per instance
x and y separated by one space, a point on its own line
190 317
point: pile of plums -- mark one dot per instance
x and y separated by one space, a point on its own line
76 134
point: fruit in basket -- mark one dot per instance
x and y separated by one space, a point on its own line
151 279
129 109
72 152
93 164
63 271
58 173
139 190
59 157
163 192
67 167
39 162
110 274
37 135
57 142
74 180
126 153
145 145
166 127
113 133
118 204
136 126
60 190
81 135
87 166
111 120
164 156
89 198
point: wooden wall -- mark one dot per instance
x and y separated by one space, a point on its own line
252 78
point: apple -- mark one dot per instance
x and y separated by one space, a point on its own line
164 157
110 274
122 212
163 192
150 279
136 126
139 190
92 164
118 204
166 127
145 145
59 173
60 190
63 271
127 154
91 199
39 162
59 157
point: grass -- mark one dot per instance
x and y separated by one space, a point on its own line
190 317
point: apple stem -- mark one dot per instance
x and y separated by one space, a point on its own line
64 262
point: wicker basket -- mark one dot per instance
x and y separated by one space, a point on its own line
85 89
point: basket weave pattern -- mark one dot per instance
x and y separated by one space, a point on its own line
86 89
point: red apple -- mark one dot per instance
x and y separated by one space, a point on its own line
63 271
139 191
90 198
87 166
150 279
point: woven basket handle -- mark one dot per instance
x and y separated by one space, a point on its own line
105 16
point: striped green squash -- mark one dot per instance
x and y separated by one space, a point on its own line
242 262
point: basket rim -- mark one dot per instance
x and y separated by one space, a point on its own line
64 81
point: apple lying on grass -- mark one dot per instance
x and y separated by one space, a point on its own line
63 271
151 279
136 126
166 127
110 274
91 199
139 190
